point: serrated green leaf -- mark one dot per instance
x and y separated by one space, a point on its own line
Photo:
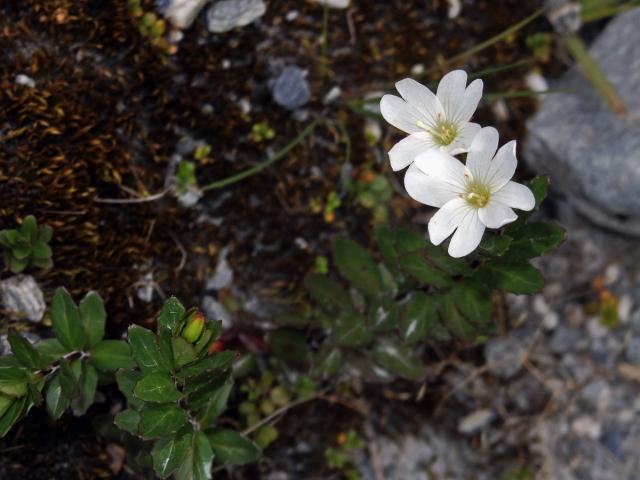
169 453
197 462
110 355
357 265
416 265
160 420
26 354
473 301
157 387
515 277
418 317
66 321
408 241
171 315
183 351
93 317
495 245
446 263
534 239
144 348
351 331
540 188
56 400
399 360
128 420
231 447
328 293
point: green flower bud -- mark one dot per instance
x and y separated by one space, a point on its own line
194 327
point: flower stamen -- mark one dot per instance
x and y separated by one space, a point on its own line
477 195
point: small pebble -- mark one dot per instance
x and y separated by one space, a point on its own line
25 80
586 426
476 421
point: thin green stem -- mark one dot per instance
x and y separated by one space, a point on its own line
495 39
597 13
264 164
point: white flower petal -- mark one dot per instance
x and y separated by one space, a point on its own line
482 149
470 100
421 98
400 114
444 168
496 214
463 141
502 167
447 219
468 235
406 150
515 195
426 189
451 92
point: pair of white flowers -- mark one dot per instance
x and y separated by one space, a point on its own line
471 197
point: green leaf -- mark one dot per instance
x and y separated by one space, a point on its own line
408 241
157 387
351 331
13 413
18 265
231 447
66 321
5 403
29 228
21 252
169 453
495 245
165 350
161 420
110 355
69 379
144 348
171 315
385 238
534 239
128 420
88 384
383 315
57 402
13 387
515 277
26 354
399 360
473 300
416 265
93 316
449 265
357 266
44 263
40 250
45 233
197 463
454 321
418 317
216 403
183 351
328 293
51 349
217 362
540 188
127 380
328 361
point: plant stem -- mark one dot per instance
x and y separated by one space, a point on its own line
262 165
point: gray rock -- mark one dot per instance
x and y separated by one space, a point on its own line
564 339
290 89
504 357
21 297
226 15
181 13
592 154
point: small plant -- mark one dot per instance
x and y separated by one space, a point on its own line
175 389
373 191
540 44
27 246
340 458
261 132
328 207
186 176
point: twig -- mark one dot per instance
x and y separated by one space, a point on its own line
150 198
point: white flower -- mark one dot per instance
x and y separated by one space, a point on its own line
439 121
471 198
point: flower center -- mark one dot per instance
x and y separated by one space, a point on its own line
444 132
477 194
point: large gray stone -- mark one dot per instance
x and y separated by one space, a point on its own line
21 297
592 154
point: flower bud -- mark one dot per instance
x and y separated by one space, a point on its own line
194 327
